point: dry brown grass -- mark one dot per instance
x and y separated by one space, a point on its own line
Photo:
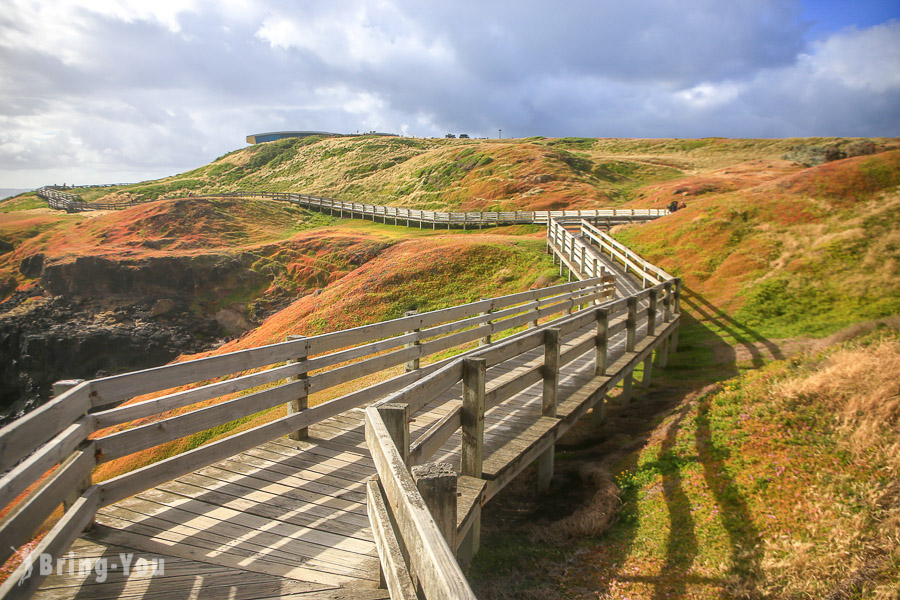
861 387
590 519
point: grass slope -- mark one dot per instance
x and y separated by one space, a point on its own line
780 482
801 254
526 174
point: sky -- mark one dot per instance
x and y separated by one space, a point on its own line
112 91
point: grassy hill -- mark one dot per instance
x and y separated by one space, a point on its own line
526 174
804 253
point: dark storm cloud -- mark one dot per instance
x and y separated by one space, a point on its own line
133 89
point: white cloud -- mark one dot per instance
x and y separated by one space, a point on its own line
131 89
866 60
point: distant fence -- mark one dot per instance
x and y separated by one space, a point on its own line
61 200
73 203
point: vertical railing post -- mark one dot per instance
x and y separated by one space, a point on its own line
472 416
301 402
486 339
549 401
472 442
631 324
396 420
651 312
413 364
436 483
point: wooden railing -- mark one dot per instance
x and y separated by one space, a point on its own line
61 200
650 274
72 203
454 219
51 452
573 252
411 503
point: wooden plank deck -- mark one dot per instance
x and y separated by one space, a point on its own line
288 519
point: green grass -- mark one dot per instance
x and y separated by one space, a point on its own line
27 201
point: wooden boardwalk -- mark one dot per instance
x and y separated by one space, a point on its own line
259 516
288 519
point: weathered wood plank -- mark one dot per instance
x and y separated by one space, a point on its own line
54 451
57 540
24 435
393 566
20 524
433 561
435 437
146 436
114 389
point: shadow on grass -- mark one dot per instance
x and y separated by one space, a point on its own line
743 536
743 335
705 356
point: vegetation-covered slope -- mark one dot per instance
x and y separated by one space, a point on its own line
527 174
802 254
772 244
779 483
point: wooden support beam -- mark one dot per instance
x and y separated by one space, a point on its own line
396 420
598 412
300 403
437 485
601 348
472 417
648 370
627 384
414 363
550 372
631 324
662 353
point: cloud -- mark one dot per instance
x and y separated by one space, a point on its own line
130 89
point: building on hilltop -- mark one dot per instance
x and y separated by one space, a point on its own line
259 138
